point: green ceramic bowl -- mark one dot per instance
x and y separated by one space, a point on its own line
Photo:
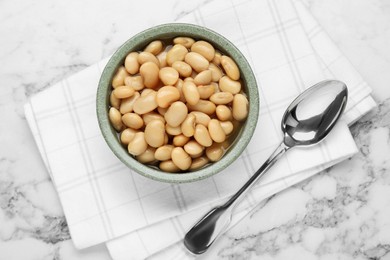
169 31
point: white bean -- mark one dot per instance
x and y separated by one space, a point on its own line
216 131
155 47
202 136
181 158
230 67
176 113
197 61
132 120
131 63
188 125
190 92
149 72
138 144
240 107
155 133
115 118
163 153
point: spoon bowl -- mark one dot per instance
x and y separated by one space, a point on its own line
313 114
307 121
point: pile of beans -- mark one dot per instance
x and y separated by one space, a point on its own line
177 105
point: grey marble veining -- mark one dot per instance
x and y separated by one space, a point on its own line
343 213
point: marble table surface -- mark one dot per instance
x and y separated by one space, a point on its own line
342 213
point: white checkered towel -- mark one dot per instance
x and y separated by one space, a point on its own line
105 201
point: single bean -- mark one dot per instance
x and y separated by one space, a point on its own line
197 61
163 153
114 101
202 136
183 68
185 41
168 75
176 113
148 117
203 78
198 163
173 130
131 63
155 47
188 125
162 58
115 118
221 98
169 166
180 140
167 95
146 103
223 113
181 158
149 72
119 78
135 82
216 131
138 144
217 58
240 107
132 120
166 138
193 148
155 133
123 92
178 52
144 57
190 92
204 48
228 85
201 118
147 156
216 72
204 106
227 127
205 91
230 67
214 152
128 103
127 135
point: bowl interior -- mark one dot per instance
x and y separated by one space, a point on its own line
167 32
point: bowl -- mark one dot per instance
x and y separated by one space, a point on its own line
170 31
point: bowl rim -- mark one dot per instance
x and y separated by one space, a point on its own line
137 42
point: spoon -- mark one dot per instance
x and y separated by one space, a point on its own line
307 121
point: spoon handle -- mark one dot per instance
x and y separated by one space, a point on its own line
208 228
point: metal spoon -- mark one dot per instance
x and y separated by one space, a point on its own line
307 121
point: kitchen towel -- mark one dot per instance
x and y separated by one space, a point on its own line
103 200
